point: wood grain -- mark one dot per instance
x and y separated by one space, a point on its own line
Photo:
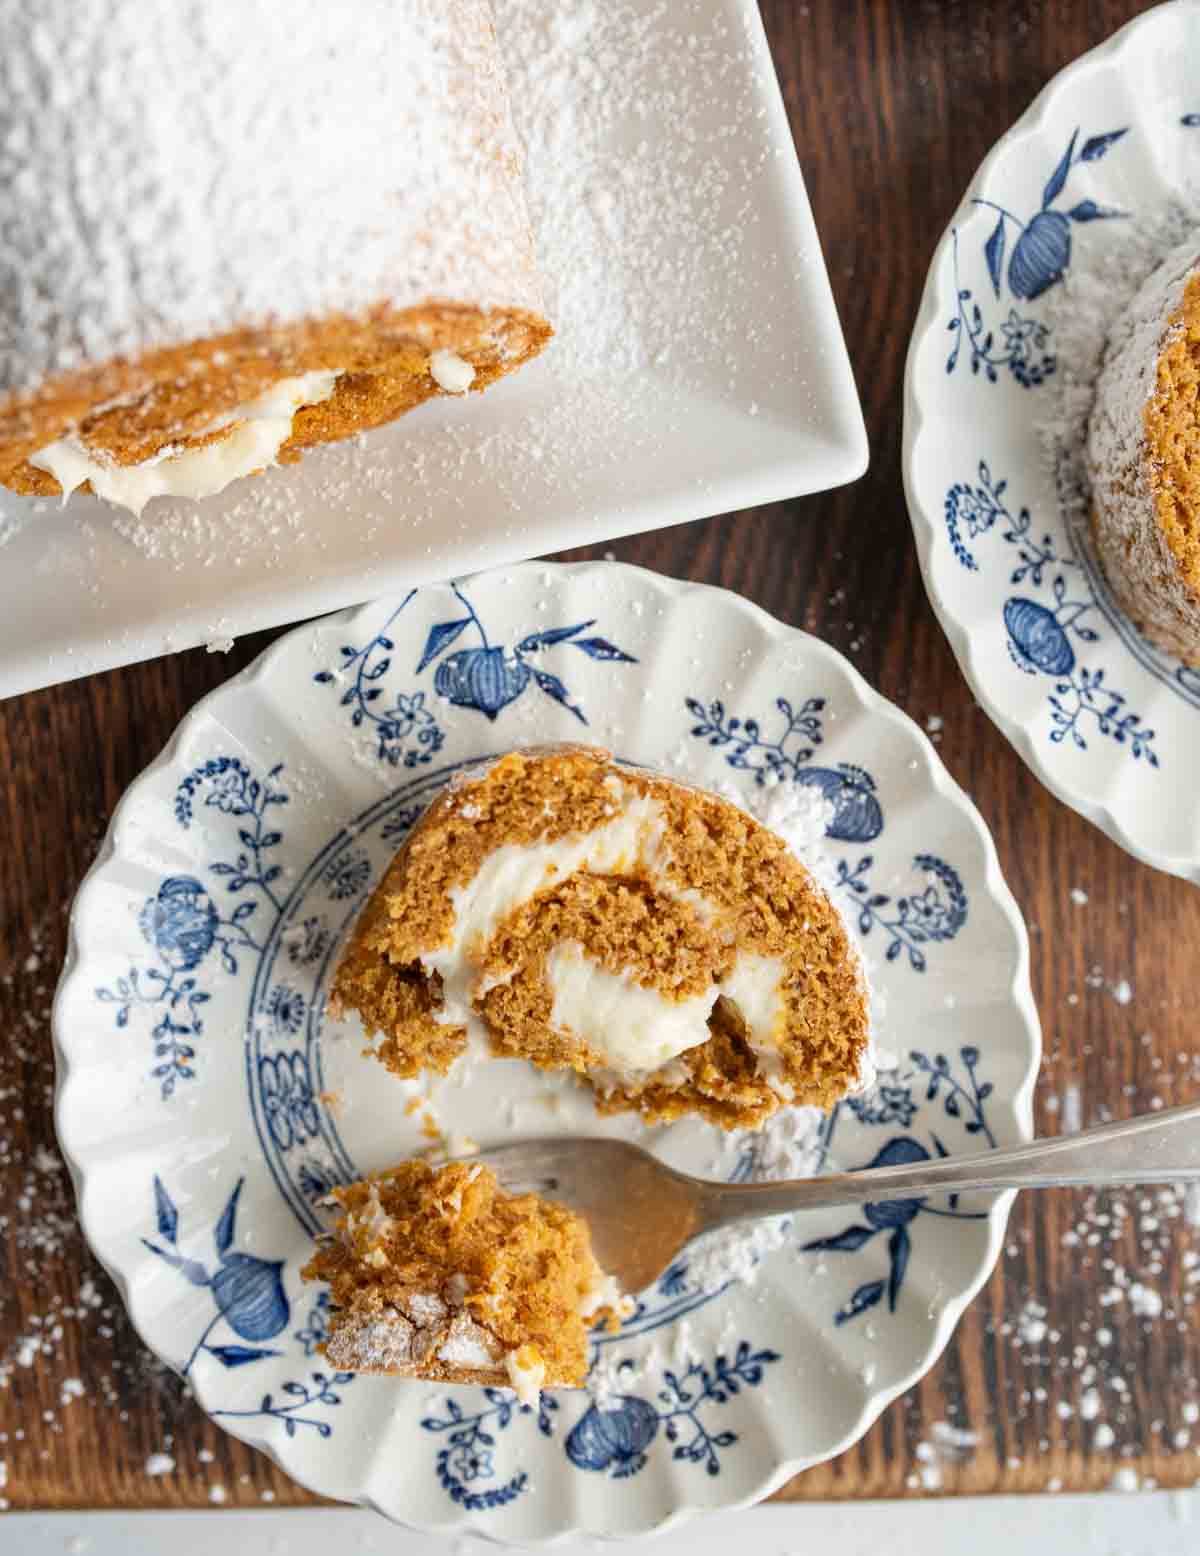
893 104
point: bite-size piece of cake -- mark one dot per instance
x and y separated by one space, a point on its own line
236 228
438 1273
1144 457
652 937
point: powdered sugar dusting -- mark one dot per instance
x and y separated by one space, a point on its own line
180 166
1108 319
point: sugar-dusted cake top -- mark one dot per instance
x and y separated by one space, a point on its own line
173 168
438 1273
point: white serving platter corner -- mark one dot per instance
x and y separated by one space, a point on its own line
699 367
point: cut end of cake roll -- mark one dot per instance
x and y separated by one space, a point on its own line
439 1274
274 232
1144 457
651 937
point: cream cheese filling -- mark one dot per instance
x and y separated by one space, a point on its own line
637 1032
259 429
630 1027
526 1374
511 875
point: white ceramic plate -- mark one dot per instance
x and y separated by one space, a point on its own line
194 1049
699 367
1108 722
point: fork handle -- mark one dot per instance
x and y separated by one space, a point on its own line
1152 1148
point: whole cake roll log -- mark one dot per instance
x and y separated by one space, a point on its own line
231 229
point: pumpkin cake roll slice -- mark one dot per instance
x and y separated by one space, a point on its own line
439 1274
652 937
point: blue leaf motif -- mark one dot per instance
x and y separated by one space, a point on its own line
993 251
601 648
899 1248
849 1241
1054 185
1089 211
166 1215
225 1226
1098 145
550 636
239 1355
191 1269
866 1296
554 688
440 637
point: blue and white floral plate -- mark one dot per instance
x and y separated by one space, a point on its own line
207 1103
1107 721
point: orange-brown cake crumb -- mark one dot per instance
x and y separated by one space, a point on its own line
438 1273
649 936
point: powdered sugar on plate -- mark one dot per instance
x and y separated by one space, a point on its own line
1085 312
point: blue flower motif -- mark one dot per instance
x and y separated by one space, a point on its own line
857 814
180 922
227 793
927 910
288 1099
310 945
486 679
1038 260
1023 336
920 919
491 676
286 1008
885 1104
1037 641
347 876
248 1291
1048 637
313 1334
745 743
613 1437
471 1463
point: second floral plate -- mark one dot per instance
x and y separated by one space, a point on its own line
208 1101
1107 721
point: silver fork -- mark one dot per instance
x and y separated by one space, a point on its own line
642 1213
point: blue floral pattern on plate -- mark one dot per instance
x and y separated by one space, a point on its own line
486 677
1037 260
290 943
1107 722
250 908
1047 635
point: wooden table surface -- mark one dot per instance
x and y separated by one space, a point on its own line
893 105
